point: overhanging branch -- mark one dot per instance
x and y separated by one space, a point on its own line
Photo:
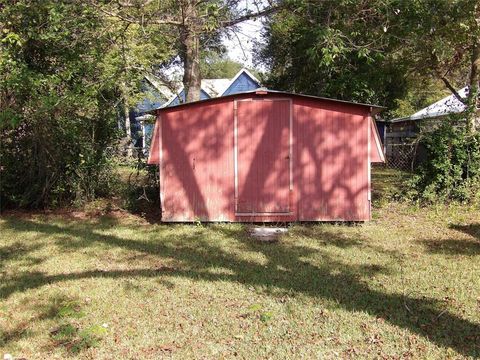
453 90
264 12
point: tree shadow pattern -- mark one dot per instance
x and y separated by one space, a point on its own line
287 270
467 247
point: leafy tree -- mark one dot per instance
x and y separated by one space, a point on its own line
443 42
215 66
133 52
441 39
372 50
336 48
57 102
389 52
420 92
193 25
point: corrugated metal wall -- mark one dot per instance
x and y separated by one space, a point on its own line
263 156
273 158
197 168
331 163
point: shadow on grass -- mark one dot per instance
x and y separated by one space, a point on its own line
472 230
469 247
287 270
20 331
19 252
327 238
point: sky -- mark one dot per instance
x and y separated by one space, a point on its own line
240 47
240 44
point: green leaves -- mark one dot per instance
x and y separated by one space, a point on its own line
212 15
451 171
332 48
57 102
370 51
11 38
9 119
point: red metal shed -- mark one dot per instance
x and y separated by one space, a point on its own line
266 156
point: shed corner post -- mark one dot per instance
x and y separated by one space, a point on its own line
160 163
235 155
369 163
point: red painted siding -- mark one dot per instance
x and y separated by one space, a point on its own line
263 162
331 161
266 157
197 181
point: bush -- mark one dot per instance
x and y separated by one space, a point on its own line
141 193
451 170
55 163
57 113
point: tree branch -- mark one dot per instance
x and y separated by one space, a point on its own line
132 4
452 89
264 12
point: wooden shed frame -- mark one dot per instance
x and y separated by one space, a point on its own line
283 210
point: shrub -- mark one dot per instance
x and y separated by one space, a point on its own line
57 114
141 193
451 170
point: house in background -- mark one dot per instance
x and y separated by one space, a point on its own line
243 81
382 130
401 132
160 96
156 94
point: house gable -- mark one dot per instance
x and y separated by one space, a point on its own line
153 98
243 81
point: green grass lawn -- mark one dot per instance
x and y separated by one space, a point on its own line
406 285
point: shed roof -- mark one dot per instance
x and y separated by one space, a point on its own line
375 108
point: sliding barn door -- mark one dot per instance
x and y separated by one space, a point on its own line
263 156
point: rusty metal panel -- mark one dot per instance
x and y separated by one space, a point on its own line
285 159
197 163
263 156
331 161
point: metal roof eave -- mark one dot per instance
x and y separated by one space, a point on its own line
375 109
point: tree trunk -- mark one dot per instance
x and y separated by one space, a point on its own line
474 86
191 76
126 114
191 53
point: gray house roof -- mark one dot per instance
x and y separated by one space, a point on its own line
446 106
159 85
215 87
